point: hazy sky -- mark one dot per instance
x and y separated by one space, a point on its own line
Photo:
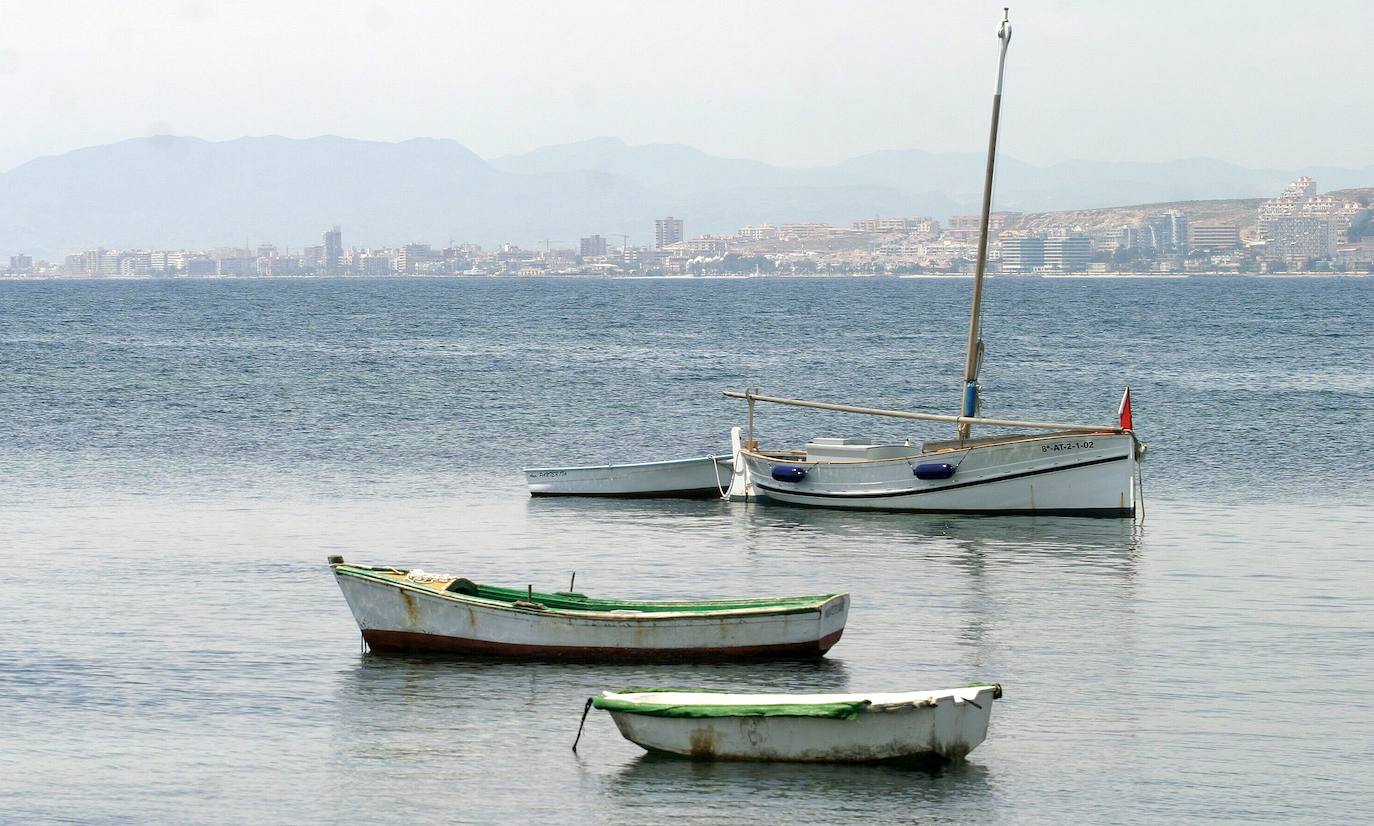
1261 82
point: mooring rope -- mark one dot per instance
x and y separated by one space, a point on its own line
715 468
585 709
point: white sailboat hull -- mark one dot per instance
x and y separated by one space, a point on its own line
942 726
702 477
1068 474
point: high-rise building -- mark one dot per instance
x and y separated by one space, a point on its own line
594 245
1299 224
667 231
1128 237
137 262
1021 252
1301 188
370 264
1299 237
1213 235
1168 231
412 257
333 252
20 264
173 260
1063 253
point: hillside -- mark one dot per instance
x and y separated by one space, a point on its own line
182 192
1239 210
172 192
1362 195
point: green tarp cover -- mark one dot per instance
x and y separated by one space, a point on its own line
836 711
562 602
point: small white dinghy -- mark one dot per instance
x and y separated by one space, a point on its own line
703 477
923 726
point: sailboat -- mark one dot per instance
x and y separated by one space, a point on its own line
1062 470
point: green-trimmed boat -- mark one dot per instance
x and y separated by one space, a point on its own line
924 726
411 610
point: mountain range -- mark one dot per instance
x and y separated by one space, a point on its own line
173 192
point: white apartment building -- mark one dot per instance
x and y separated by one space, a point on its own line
705 245
1299 224
135 263
762 232
1021 252
895 225
1066 253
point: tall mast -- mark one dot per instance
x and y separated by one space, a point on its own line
975 342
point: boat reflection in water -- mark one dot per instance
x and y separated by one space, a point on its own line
735 529
855 792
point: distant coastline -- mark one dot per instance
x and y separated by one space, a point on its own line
259 206
932 276
1298 230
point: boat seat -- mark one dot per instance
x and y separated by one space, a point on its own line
856 450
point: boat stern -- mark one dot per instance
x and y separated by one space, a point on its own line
961 720
834 613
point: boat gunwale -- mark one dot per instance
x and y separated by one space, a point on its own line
817 605
777 705
790 454
753 697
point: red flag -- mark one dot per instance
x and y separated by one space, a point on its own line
1123 414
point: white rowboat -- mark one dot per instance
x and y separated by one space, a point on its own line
411 610
850 728
704 477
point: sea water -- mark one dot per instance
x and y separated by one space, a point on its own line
177 459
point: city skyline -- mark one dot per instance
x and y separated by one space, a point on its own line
1296 230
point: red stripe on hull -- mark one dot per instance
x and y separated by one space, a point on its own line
409 641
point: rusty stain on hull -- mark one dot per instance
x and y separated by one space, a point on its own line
703 743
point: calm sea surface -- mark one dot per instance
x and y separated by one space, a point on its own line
178 459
